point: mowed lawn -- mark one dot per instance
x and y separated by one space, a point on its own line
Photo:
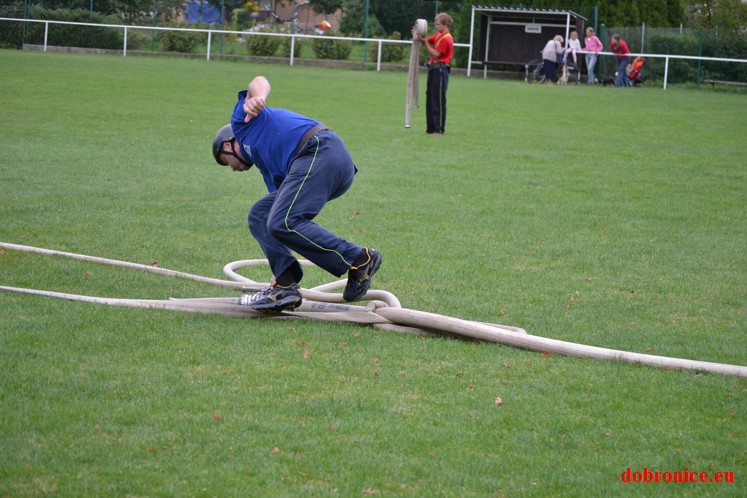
609 217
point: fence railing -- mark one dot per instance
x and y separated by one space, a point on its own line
666 59
210 32
293 36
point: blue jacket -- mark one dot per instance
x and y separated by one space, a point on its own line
269 140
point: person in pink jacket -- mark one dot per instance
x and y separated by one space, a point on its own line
592 44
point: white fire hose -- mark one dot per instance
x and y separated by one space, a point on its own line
413 79
383 311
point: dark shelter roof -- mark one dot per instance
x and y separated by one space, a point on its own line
516 35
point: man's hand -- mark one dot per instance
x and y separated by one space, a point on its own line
252 107
257 92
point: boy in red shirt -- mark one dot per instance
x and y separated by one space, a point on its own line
440 47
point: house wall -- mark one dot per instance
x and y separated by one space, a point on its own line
306 19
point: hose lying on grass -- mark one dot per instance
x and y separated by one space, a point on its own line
383 311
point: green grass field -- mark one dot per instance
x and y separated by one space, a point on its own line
608 217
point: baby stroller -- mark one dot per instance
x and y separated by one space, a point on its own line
634 70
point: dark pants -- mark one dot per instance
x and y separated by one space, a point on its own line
551 70
435 99
282 220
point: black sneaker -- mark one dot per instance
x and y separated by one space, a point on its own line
275 298
359 277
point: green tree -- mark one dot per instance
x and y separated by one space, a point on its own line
396 15
655 13
354 18
722 16
326 6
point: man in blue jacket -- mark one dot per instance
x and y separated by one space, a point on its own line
304 165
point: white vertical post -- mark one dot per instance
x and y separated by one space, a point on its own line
124 51
210 36
293 48
643 36
666 71
378 59
471 36
46 31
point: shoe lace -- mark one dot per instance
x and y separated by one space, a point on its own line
261 295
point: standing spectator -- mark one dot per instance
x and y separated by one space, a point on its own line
592 44
618 46
553 49
440 47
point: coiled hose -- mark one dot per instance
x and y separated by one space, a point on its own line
383 311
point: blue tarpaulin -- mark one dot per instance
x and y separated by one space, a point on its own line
202 12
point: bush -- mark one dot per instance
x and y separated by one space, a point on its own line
332 48
727 47
679 70
180 41
11 32
285 47
263 46
75 36
390 52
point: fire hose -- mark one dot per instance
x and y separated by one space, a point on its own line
383 311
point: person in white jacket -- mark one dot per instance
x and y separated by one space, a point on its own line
553 49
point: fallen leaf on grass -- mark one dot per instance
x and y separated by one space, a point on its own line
498 400
216 416
276 451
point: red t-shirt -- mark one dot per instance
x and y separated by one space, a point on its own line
621 48
444 43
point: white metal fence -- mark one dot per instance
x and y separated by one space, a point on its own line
211 32
380 42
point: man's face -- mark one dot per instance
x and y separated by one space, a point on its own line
229 156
